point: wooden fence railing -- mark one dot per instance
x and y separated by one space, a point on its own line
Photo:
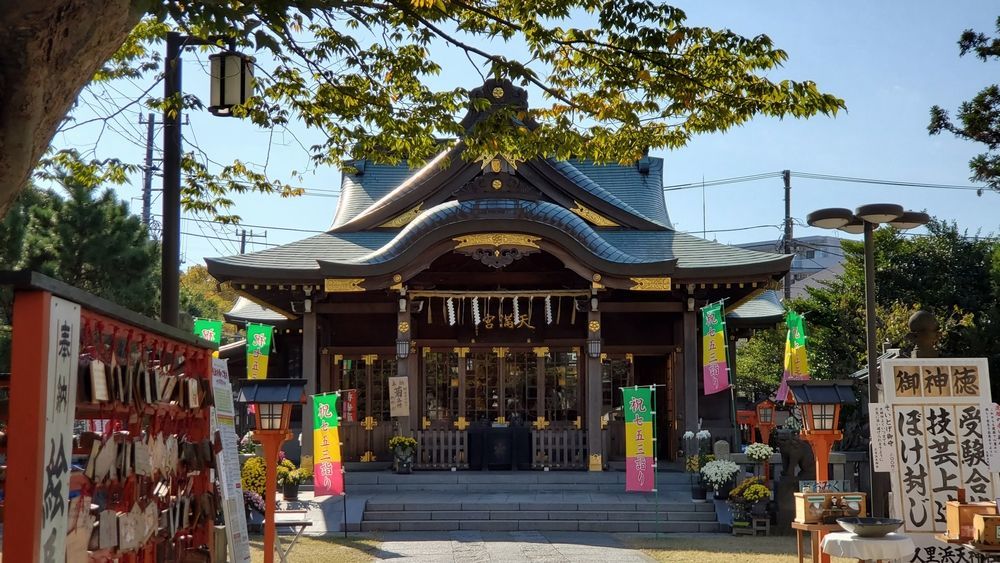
442 449
559 449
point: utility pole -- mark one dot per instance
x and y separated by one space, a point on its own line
147 175
243 239
171 238
787 176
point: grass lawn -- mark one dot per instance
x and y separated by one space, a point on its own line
720 548
311 550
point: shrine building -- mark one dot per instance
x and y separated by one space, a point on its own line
516 297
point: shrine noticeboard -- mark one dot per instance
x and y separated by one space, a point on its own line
399 396
939 409
228 464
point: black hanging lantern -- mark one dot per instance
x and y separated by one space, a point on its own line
232 81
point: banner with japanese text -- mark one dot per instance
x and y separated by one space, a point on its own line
715 369
940 418
796 362
258 349
640 454
328 476
207 329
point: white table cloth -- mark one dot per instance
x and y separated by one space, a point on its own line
846 544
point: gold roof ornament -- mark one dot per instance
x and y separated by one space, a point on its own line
496 240
650 284
592 216
402 219
343 285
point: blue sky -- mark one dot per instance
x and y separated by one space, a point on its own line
890 61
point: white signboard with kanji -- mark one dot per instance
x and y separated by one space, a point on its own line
228 464
60 409
939 415
883 437
399 396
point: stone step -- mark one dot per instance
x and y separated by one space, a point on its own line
432 506
539 525
520 479
537 515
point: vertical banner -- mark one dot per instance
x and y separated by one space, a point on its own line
640 462
399 396
228 464
207 329
715 370
350 408
258 348
796 360
940 412
60 409
328 476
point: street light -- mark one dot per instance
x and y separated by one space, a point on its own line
821 402
232 84
765 419
272 400
866 219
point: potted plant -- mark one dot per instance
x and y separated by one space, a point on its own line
719 474
759 453
253 504
404 449
247 448
748 499
289 479
697 447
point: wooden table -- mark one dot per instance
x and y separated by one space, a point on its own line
816 533
298 526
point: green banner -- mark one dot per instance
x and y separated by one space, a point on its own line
325 411
796 329
637 403
207 329
258 348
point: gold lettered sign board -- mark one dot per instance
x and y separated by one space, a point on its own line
940 417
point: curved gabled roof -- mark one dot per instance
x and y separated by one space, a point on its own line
540 212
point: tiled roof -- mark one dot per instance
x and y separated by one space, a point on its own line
643 192
246 310
765 308
691 251
452 212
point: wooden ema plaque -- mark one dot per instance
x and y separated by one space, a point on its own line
814 508
959 515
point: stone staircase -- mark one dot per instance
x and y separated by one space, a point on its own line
527 501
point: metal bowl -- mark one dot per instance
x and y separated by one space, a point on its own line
869 527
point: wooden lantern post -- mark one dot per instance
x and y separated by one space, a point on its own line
272 400
765 420
821 402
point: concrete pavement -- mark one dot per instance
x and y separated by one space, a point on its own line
482 547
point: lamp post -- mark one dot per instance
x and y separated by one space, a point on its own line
821 402
273 400
765 419
865 220
232 84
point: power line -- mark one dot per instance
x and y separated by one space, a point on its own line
742 229
223 239
881 182
292 229
721 181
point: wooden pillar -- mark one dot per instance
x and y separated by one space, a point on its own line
462 367
406 366
540 354
594 442
731 362
690 371
25 486
310 374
